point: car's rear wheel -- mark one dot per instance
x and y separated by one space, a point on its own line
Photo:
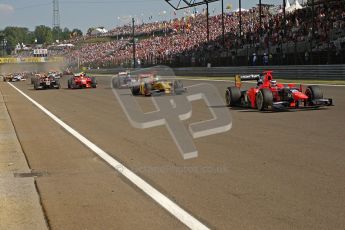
264 99
313 92
69 83
57 83
116 82
36 84
135 90
73 85
232 96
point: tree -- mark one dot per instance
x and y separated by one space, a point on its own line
90 30
15 35
43 34
2 35
65 34
30 38
77 33
57 34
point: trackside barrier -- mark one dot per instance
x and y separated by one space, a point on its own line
329 72
322 72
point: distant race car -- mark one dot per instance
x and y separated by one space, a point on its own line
67 72
123 80
46 82
18 77
80 81
34 77
268 94
14 78
55 74
7 77
152 85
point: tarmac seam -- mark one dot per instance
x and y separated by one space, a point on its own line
28 163
20 148
15 130
42 206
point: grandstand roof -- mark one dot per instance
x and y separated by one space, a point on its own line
287 6
96 31
238 10
183 4
294 6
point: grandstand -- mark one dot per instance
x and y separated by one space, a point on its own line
183 41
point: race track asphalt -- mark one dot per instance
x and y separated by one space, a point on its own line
272 170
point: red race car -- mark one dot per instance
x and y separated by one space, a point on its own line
80 81
268 94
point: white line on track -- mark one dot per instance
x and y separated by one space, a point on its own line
160 198
218 80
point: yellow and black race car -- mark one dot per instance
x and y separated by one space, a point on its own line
151 85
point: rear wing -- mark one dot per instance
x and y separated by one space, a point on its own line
240 78
79 74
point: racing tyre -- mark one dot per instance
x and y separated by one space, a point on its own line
313 92
264 98
136 90
115 82
36 85
93 82
147 89
178 87
72 84
58 85
286 94
69 83
232 96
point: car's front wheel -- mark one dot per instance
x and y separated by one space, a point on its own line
148 89
313 92
264 99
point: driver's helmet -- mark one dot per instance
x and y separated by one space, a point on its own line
156 79
260 82
273 83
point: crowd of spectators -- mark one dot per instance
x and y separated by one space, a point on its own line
141 29
96 53
188 35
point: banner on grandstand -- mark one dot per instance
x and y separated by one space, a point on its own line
40 52
30 60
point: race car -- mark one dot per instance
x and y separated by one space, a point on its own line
268 94
151 85
123 80
55 74
35 76
7 77
46 82
15 77
18 77
67 72
80 81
